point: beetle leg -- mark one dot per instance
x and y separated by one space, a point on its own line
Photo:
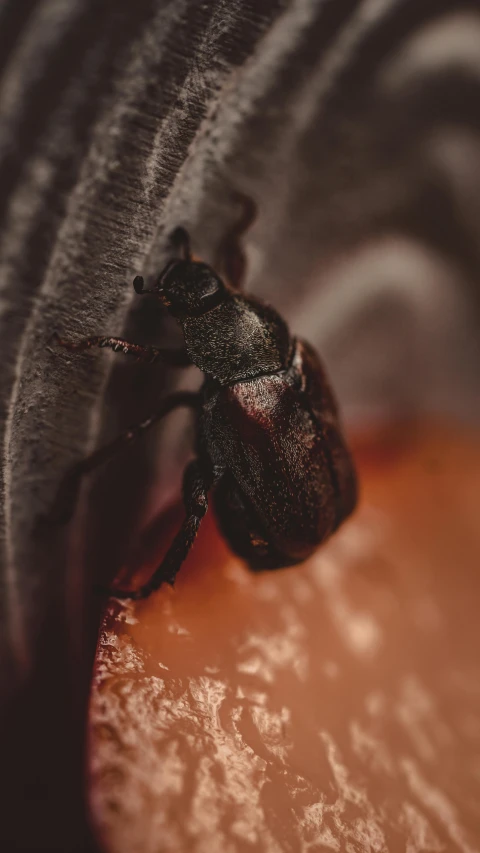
180 241
174 358
65 500
197 481
232 255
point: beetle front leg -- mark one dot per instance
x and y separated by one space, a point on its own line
180 242
174 358
65 500
231 253
197 482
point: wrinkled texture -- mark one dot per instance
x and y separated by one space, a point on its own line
334 706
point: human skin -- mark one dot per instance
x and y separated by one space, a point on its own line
331 706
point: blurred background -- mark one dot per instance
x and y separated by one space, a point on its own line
354 126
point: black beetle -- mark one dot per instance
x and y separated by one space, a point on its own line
269 442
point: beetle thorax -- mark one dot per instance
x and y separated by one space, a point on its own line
237 340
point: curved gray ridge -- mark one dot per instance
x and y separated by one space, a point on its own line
122 177
82 195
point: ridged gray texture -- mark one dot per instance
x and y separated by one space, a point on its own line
354 124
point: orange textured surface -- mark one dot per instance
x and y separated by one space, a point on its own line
335 706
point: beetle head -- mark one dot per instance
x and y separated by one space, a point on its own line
187 288
190 288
